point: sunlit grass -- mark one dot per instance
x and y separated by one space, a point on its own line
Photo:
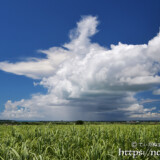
74 142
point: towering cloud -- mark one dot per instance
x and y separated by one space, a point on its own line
87 81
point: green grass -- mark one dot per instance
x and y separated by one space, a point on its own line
75 142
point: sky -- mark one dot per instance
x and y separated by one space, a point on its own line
80 60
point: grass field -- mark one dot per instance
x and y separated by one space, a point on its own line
79 142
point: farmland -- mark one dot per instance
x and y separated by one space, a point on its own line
79 142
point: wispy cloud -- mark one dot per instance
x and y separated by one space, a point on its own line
156 92
149 101
88 81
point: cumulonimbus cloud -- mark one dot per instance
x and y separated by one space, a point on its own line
88 81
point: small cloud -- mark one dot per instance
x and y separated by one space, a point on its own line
156 92
149 101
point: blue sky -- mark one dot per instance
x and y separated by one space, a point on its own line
29 26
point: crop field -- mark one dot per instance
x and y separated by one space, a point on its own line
79 142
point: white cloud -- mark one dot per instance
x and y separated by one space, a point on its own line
87 81
37 68
143 101
156 92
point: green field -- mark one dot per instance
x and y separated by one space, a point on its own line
79 142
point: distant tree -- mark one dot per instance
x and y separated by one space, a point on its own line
79 122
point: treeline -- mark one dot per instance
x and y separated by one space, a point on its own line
78 122
11 122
